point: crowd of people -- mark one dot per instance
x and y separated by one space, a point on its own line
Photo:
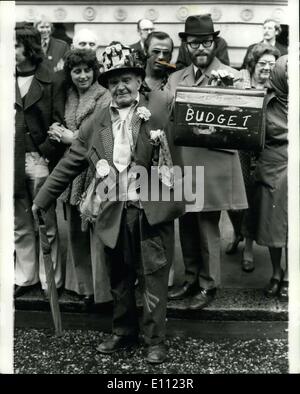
87 125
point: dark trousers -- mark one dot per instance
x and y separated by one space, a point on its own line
201 247
144 252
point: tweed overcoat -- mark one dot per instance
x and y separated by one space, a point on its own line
95 142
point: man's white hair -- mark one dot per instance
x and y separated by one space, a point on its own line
83 35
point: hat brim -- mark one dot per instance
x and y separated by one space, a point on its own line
184 34
103 78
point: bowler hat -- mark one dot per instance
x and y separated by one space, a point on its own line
118 58
199 25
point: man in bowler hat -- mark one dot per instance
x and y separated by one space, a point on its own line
138 233
223 181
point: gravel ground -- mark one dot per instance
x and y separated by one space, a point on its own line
38 351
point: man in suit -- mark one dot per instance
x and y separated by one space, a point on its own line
53 48
138 233
38 105
223 181
144 28
271 30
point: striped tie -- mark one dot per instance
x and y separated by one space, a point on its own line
122 149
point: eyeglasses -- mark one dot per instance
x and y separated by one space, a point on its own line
196 44
264 63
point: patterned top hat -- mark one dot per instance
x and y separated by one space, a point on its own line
118 58
199 25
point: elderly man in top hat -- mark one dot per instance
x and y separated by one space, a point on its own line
223 181
138 233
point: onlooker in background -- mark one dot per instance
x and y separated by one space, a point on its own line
53 48
35 155
184 59
261 61
59 32
84 97
84 39
223 181
158 47
270 199
271 29
144 28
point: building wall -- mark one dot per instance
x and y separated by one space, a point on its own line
240 22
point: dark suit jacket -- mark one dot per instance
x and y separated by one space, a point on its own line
96 142
140 52
184 59
55 52
41 107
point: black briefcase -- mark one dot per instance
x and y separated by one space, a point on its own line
220 118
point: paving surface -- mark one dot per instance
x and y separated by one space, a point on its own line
37 351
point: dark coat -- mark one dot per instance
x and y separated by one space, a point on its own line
95 142
137 47
184 59
55 52
42 106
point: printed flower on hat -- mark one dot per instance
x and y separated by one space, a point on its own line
102 168
143 113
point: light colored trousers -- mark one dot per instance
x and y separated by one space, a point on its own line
29 262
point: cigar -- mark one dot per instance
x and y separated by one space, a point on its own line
166 64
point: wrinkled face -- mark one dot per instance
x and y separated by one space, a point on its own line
204 54
159 50
85 41
124 88
19 53
82 77
45 29
145 28
269 31
263 68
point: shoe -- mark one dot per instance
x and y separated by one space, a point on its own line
88 299
20 290
232 246
156 354
202 299
186 290
272 289
284 291
247 265
45 294
116 343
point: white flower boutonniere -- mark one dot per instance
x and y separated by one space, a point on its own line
143 113
102 168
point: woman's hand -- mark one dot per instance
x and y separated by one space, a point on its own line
60 133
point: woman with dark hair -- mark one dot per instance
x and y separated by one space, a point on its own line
261 61
84 97
37 107
270 196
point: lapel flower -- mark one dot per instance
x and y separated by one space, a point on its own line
143 113
102 168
